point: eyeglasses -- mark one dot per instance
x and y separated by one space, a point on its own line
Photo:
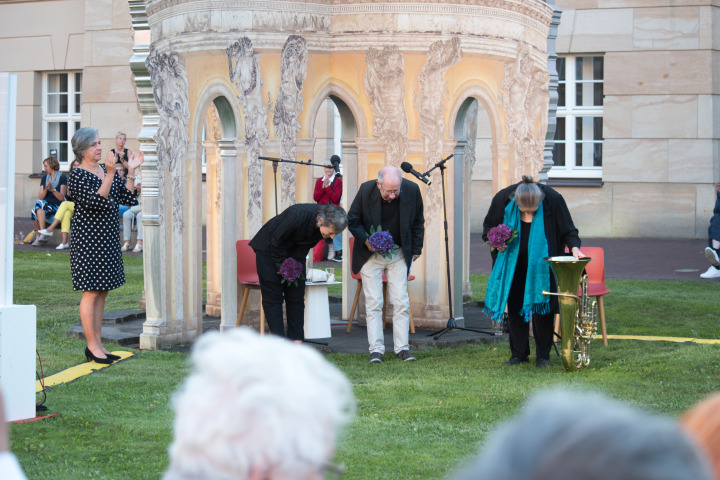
390 192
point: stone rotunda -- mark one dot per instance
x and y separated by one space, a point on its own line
222 83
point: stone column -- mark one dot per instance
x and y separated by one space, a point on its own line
214 260
350 187
228 233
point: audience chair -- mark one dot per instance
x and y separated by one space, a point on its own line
248 277
358 277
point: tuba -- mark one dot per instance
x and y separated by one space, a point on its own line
578 317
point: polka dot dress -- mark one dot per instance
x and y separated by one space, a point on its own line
95 257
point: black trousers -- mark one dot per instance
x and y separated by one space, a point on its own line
274 293
519 329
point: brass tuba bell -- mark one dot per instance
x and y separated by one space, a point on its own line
578 317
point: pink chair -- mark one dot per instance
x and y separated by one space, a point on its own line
358 277
248 277
595 270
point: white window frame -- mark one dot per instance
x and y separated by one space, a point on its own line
71 118
571 112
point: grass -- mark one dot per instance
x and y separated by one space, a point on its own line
418 420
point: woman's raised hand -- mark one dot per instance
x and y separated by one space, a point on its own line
110 164
136 160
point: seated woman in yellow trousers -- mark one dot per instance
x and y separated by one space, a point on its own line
62 217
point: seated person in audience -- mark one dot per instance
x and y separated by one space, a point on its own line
133 214
562 435
53 188
702 423
257 407
62 217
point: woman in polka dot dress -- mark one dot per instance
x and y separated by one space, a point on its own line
95 258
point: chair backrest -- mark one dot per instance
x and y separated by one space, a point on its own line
596 267
351 242
246 268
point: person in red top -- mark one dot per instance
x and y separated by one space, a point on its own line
328 189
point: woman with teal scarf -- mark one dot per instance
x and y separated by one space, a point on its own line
520 273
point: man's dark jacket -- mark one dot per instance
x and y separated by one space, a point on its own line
365 213
292 233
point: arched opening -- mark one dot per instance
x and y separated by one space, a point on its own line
476 129
335 123
215 123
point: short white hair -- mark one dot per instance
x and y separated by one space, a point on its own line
260 404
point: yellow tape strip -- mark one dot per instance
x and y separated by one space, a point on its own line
73 373
659 339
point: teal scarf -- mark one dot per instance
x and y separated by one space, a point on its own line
538 274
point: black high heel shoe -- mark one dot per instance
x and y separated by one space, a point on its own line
112 357
90 357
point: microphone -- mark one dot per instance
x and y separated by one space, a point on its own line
335 160
407 168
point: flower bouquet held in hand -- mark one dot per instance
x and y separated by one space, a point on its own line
382 242
500 236
290 271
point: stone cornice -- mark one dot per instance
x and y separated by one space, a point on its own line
535 14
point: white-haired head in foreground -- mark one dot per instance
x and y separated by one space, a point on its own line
562 435
257 407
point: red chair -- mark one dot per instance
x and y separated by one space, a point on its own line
595 270
248 277
358 277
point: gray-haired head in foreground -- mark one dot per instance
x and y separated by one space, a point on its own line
333 217
257 406
563 435
82 140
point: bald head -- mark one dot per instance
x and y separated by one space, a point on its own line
389 182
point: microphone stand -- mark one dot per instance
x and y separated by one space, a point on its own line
275 162
451 325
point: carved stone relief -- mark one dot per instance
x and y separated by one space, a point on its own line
244 64
170 89
216 126
430 102
385 86
293 70
525 101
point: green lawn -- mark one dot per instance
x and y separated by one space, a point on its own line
417 420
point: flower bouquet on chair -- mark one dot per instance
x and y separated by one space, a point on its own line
500 236
382 242
290 271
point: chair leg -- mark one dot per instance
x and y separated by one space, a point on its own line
262 317
354 305
412 324
242 307
601 313
384 303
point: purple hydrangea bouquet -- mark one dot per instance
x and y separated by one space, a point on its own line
290 271
500 236
381 241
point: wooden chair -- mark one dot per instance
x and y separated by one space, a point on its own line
358 277
595 270
248 277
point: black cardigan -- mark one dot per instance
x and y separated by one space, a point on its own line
292 233
559 228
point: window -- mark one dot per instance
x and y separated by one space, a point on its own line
577 152
62 99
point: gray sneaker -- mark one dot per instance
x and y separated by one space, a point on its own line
406 356
712 256
376 357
